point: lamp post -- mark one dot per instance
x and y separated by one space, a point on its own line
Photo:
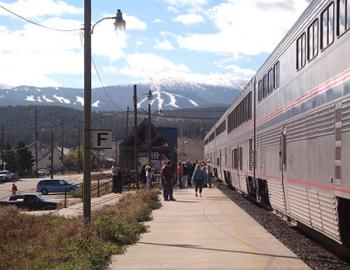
149 98
88 30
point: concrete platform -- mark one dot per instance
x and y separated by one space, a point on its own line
205 233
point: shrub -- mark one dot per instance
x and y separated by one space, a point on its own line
48 242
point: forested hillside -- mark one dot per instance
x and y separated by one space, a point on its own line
19 122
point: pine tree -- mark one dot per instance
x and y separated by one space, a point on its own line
10 159
24 159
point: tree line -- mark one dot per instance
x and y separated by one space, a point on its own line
19 123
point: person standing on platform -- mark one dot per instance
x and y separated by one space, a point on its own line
185 175
167 176
198 179
204 169
180 172
149 175
209 173
191 168
117 178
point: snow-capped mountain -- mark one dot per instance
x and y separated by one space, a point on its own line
167 94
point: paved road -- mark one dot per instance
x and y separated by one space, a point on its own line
205 233
28 185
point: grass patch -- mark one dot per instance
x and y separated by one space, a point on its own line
48 242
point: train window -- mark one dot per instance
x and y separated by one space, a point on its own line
235 158
266 85
301 49
343 16
276 74
250 106
270 74
312 33
241 158
327 26
260 90
232 159
221 128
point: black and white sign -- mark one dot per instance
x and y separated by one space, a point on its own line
155 155
101 139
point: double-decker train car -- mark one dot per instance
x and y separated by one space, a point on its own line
286 139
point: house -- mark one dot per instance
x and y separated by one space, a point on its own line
44 157
163 146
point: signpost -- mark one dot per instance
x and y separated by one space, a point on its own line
101 139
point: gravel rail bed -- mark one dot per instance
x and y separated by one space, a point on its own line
314 255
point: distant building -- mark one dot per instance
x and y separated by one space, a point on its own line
44 157
163 146
190 149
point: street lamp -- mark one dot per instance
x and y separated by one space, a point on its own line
150 99
88 30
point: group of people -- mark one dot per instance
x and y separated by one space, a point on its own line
199 173
185 175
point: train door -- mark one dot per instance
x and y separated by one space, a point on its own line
235 163
239 165
283 164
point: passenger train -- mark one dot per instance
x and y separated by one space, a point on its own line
285 140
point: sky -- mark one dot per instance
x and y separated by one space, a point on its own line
203 41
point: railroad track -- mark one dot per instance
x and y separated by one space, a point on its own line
314 253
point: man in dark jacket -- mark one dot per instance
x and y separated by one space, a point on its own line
167 175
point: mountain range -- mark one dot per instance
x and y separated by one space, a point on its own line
168 94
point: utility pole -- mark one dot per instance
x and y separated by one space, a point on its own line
135 138
127 122
79 154
51 158
36 140
149 134
87 113
2 146
62 143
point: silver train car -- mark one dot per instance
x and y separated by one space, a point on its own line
286 139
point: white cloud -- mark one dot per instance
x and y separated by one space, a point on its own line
189 18
153 67
229 63
164 45
186 2
173 9
157 20
42 8
246 27
107 42
147 65
139 42
134 23
243 73
32 55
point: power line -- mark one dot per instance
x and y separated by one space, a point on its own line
102 84
18 149
143 112
38 24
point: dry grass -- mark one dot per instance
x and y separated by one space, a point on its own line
48 242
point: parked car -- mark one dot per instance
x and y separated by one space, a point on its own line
43 172
55 186
7 176
29 202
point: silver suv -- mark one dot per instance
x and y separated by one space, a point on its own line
55 186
